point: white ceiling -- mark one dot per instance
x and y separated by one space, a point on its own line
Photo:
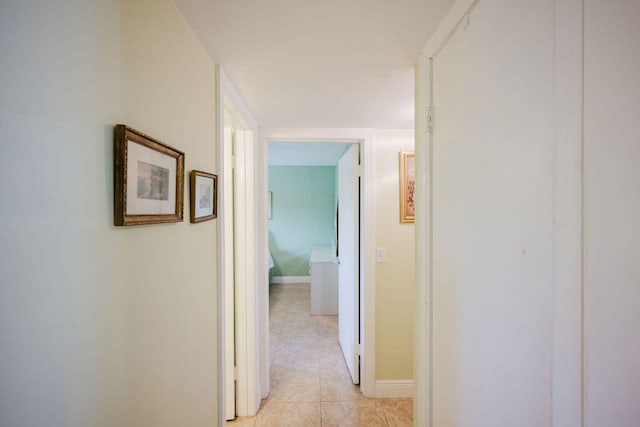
319 63
305 153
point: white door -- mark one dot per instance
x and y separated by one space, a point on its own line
229 277
348 256
492 220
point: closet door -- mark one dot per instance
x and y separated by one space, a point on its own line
493 218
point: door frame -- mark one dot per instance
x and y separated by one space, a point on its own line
366 140
227 98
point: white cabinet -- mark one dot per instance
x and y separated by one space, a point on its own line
324 280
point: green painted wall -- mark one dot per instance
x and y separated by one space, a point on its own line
303 215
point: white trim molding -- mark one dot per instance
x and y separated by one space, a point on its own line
221 344
423 347
290 279
447 26
394 388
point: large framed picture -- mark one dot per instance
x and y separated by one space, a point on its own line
407 186
204 196
148 179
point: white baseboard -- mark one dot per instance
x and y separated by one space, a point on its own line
290 279
394 388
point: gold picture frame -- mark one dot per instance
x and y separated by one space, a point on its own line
203 191
148 179
407 186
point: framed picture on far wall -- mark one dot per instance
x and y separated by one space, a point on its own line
407 186
148 179
204 196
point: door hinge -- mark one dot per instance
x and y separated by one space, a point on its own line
357 350
234 162
430 120
235 373
358 170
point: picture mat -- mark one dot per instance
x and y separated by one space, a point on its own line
208 183
135 206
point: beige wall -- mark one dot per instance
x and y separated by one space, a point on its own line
395 278
101 326
169 93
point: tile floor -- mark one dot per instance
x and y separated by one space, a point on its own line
310 383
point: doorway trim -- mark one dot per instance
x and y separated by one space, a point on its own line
366 139
228 99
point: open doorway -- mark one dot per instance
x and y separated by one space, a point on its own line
364 139
314 247
314 242
252 356
365 263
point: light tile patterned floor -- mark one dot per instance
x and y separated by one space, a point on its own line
310 383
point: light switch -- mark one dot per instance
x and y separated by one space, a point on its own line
381 254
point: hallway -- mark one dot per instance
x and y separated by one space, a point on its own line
310 384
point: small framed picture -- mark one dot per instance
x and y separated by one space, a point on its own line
148 179
204 196
407 186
